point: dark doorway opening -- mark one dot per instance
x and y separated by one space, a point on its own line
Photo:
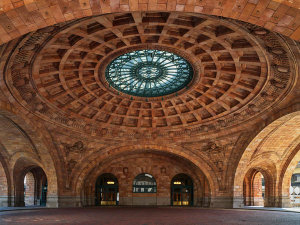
182 190
107 190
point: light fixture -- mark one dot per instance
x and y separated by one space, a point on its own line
110 182
177 182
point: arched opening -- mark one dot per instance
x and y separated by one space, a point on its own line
182 190
107 190
144 183
274 153
4 196
29 186
21 151
288 185
30 182
295 187
35 187
144 190
130 169
257 188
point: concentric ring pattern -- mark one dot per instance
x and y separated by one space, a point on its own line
58 72
149 73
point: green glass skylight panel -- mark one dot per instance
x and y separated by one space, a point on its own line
149 73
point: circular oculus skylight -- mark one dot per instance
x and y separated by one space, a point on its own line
149 73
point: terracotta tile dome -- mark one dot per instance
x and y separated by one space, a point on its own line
67 63
87 103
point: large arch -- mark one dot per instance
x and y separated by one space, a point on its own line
26 16
23 143
28 166
163 171
267 171
284 183
273 149
18 19
81 171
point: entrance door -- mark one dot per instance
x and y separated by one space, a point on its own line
43 198
107 190
182 190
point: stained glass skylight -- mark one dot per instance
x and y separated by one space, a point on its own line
149 73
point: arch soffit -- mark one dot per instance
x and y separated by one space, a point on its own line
84 169
289 165
185 175
111 175
30 158
41 155
275 127
26 128
266 168
255 153
280 137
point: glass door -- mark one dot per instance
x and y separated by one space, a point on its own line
182 190
182 196
109 195
107 190
43 198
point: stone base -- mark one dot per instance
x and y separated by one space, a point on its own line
238 202
67 201
221 202
283 202
163 201
144 201
125 201
258 201
29 200
52 202
5 201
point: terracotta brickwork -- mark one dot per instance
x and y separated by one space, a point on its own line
20 17
273 153
162 167
61 120
3 187
29 189
257 190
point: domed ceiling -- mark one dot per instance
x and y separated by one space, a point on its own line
66 74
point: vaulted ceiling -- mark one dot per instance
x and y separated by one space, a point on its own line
240 71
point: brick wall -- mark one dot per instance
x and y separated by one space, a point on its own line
3 187
20 17
257 190
163 168
29 186
219 159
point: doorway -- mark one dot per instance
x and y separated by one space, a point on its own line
107 190
182 190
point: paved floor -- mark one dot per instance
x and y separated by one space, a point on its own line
148 216
270 208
